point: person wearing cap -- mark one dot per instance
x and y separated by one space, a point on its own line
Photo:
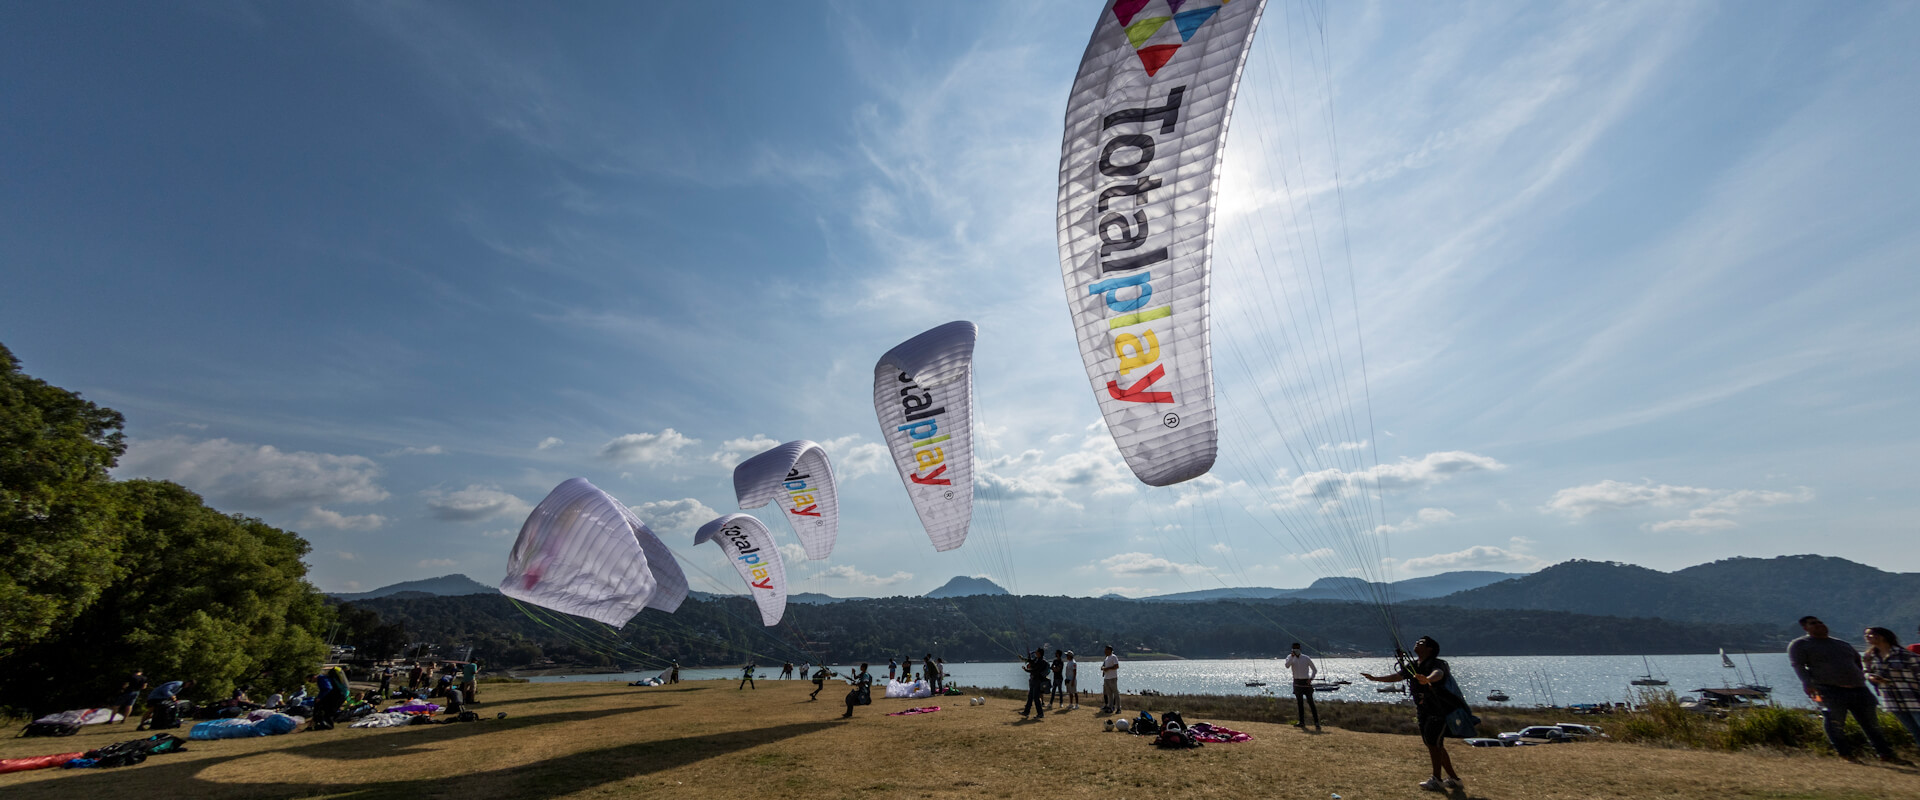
1426 680
1304 671
1073 681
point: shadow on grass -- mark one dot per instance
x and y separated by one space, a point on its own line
540 780
482 706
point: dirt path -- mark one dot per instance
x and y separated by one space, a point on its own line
707 740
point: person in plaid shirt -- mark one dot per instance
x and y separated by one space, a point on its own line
1896 674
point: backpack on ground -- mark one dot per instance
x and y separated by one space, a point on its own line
1144 724
166 714
1173 721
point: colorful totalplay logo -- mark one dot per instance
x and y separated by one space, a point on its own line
1148 31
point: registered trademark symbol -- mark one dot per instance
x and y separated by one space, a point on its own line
1171 419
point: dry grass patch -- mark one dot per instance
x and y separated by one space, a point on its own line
707 740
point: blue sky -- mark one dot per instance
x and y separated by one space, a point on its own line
1636 281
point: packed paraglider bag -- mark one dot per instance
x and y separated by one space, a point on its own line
166 714
1144 724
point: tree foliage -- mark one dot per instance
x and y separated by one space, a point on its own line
57 530
101 577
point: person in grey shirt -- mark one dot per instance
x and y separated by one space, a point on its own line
1830 673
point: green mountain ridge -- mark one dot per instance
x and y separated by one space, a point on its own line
1848 595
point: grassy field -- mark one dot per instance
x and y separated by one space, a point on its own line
707 740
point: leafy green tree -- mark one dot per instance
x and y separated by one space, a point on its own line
221 599
58 533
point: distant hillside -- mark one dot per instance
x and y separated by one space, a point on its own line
817 598
443 586
986 627
1348 589
1776 591
963 586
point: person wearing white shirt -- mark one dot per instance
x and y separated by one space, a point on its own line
1110 683
1073 681
1304 671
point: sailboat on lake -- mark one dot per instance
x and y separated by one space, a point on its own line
1647 679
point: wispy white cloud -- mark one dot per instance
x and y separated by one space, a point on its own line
1405 474
1133 565
1708 509
1485 557
249 477
734 451
852 576
683 516
474 503
853 458
549 443
318 517
1423 518
647 448
429 450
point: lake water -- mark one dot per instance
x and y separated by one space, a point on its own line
1529 680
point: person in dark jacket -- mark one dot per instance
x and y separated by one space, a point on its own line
1830 673
1426 679
333 695
1039 677
1058 696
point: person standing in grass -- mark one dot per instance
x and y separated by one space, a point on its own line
674 675
786 670
1059 667
1073 681
932 673
893 668
746 678
1426 680
1896 674
1110 683
1304 672
1830 674
1037 683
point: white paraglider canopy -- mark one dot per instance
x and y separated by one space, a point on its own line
799 474
581 552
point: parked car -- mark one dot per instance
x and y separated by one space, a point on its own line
1579 731
1486 742
1538 733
